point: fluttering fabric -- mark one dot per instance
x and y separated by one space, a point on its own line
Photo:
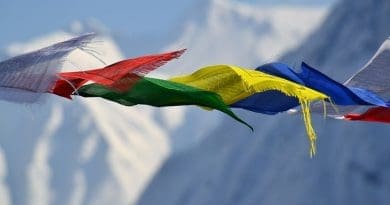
25 77
115 75
233 83
375 114
375 77
273 102
270 89
338 93
159 93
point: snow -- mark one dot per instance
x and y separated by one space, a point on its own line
235 33
272 165
226 32
73 152
88 151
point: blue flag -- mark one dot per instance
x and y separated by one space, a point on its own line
273 102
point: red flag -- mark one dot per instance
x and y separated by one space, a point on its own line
120 75
376 114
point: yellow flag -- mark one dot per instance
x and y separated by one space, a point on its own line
234 83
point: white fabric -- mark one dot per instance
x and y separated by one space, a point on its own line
374 76
25 77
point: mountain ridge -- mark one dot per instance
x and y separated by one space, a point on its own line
93 152
272 165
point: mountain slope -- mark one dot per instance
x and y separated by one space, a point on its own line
272 165
236 33
231 32
347 40
83 152
94 152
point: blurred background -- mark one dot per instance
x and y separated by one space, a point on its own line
89 151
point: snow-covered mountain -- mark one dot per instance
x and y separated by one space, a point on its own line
88 151
346 30
235 33
272 165
228 32
83 152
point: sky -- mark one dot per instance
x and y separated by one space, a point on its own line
21 20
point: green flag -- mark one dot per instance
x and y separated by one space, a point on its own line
160 93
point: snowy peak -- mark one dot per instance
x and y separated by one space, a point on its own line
236 33
87 26
93 152
77 152
271 165
356 27
103 46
